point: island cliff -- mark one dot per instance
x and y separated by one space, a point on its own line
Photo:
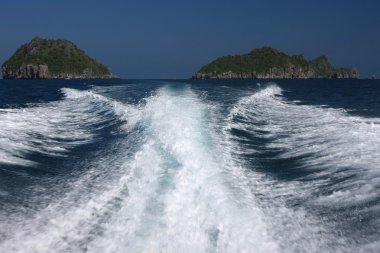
52 59
270 63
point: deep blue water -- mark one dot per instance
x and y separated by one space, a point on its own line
190 166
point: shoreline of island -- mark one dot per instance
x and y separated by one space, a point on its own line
270 63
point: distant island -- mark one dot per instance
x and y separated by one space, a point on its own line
270 63
52 59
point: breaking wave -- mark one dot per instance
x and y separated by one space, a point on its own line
321 158
175 181
56 127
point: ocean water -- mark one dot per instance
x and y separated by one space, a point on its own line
190 166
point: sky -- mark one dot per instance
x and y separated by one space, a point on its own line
174 38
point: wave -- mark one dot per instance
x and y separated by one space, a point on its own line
180 189
170 195
177 188
56 127
316 158
328 142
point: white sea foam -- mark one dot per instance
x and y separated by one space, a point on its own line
181 191
328 141
53 128
172 196
183 205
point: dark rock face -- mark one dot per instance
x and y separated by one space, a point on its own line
269 63
344 74
290 73
52 59
27 71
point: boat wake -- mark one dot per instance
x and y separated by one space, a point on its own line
175 180
319 157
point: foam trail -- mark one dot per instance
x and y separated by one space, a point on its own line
180 191
339 152
172 195
328 139
183 205
53 128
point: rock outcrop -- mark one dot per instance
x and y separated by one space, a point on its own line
26 71
269 63
52 59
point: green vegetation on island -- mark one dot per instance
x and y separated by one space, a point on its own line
44 58
267 62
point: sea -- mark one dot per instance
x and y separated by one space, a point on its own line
189 166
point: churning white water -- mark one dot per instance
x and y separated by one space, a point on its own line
328 140
182 189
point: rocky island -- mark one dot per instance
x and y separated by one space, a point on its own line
270 63
52 59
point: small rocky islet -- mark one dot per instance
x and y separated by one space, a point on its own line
270 63
61 59
53 59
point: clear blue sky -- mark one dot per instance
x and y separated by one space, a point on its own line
174 38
